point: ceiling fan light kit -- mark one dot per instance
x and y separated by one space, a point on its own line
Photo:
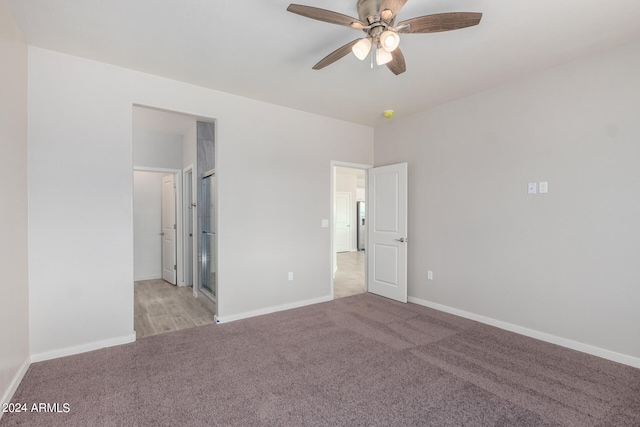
377 19
383 57
389 40
362 48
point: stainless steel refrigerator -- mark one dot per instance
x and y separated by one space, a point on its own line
362 229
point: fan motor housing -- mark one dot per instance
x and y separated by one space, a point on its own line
367 9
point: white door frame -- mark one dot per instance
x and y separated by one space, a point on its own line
169 229
333 165
193 212
177 173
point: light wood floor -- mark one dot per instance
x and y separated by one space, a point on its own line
349 279
161 307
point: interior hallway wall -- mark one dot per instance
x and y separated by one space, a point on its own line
157 149
273 177
14 288
189 142
347 182
562 265
147 225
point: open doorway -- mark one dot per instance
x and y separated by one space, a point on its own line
165 248
155 216
349 229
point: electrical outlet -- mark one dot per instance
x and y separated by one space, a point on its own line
429 275
291 275
532 188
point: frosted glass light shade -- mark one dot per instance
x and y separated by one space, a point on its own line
383 57
389 40
361 49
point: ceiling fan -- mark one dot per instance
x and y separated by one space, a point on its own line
376 19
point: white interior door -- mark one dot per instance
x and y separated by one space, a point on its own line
343 222
169 229
387 249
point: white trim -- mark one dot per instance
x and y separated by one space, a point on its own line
83 348
177 173
350 165
333 164
185 171
152 277
17 379
195 272
195 116
553 339
194 197
270 310
159 170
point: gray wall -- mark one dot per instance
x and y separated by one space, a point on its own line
160 150
350 181
565 264
14 291
157 149
147 224
274 189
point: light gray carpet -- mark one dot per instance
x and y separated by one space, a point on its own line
360 360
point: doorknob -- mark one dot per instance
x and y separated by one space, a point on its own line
162 234
402 240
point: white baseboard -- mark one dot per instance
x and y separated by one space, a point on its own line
151 277
83 348
553 339
13 386
274 309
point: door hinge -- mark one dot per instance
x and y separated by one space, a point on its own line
175 267
174 227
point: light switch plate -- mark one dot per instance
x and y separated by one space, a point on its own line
325 223
532 187
544 187
429 275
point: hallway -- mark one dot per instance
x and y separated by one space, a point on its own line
349 279
160 307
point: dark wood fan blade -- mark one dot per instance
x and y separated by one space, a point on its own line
325 16
392 5
440 22
335 55
397 64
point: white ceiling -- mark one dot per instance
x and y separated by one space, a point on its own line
256 49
